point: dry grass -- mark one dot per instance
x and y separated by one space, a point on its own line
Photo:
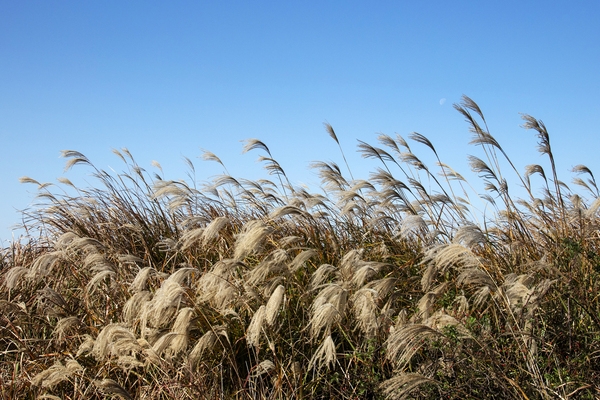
391 287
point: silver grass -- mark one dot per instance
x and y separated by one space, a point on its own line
205 344
323 317
331 132
255 327
516 291
73 367
75 157
209 156
413 160
441 257
264 367
401 385
475 277
133 308
469 235
301 259
275 263
87 346
161 309
274 304
401 320
65 239
97 279
289 240
129 259
593 209
52 376
389 142
365 271
288 210
211 232
325 356
537 295
218 286
181 274
225 298
582 169
404 342
417 137
177 191
156 164
321 274
167 299
350 209
163 344
12 308
150 357
251 144
14 276
577 207
383 286
167 245
53 298
127 363
441 320
426 302
95 262
366 311
334 294
331 176
386 314
350 263
480 167
250 239
85 244
43 265
114 340
181 328
64 325
462 305
26 179
481 296
140 282
534 169
412 224
350 196
111 387
424 306
450 173
191 237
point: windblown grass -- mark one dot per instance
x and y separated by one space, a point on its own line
142 287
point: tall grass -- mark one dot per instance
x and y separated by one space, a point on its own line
391 287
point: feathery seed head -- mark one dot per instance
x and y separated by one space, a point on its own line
51 376
274 303
325 356
250 239
255 327
181 328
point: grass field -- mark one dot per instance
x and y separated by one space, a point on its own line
396 287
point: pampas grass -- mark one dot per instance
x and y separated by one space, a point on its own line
395 285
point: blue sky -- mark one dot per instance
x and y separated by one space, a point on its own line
165 79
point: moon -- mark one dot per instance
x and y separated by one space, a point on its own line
442 101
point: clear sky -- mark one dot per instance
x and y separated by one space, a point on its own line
165 79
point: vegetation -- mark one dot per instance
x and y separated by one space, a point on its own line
395 287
